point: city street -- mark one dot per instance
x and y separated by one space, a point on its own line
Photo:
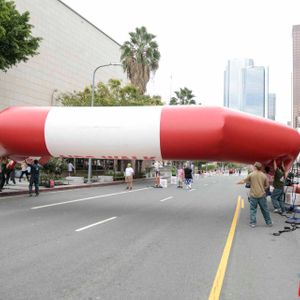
149 243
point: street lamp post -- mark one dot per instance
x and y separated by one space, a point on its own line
92 104
52 97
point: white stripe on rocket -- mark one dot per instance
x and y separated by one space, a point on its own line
104 131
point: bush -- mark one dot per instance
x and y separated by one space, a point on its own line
55 166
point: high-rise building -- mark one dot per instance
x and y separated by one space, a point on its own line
296 77
253 86
272 106
246 87
233 92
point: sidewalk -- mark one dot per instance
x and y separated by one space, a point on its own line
21 188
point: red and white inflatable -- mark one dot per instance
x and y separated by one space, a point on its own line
156 133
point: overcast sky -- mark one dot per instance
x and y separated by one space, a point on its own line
196 38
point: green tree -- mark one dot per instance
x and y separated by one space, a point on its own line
110 94
55 165
183 97
140 57
16 41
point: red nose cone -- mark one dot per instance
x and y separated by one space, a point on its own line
22 131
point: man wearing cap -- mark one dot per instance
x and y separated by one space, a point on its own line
258 184
129 172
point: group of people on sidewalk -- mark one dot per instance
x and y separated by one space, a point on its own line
260 182
29 168
7 172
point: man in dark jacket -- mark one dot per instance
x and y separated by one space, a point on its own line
35 177
277 196
188 176
3 163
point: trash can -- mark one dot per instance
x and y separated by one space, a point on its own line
51 183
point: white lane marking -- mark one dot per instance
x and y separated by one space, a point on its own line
95 224
192 190
88 198
165 199
41 194
205 184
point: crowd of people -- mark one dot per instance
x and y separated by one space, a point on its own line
29 168
259 180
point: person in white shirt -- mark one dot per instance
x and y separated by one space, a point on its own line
71 168
129 172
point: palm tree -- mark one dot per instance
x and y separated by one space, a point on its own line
140 57
183 97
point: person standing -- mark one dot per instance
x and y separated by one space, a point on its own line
10 171
188 176
129 172
157 175
258 184
24 171
270 181
3 164
71 168
35 177
277 196
180 177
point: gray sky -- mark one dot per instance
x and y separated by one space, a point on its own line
197 37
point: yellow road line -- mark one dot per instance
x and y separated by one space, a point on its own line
243 203
218 282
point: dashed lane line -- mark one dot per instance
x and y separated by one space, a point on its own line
88 198
95 224
165 199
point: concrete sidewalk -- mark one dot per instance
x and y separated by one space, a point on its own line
23 187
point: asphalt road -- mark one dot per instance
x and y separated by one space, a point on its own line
107 243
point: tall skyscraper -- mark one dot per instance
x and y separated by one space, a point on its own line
246 87
233 91
253 85
271 106
296 77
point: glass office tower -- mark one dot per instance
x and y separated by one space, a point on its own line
296 77
272 106
253 100
246 87
233 91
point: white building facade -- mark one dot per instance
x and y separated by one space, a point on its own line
70 51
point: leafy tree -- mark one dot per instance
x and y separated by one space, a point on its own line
16 41
55 165
110 94
183 97
140 57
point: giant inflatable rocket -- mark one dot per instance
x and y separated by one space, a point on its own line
156 133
